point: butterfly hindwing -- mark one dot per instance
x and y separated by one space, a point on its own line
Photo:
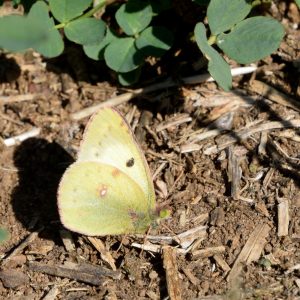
99 199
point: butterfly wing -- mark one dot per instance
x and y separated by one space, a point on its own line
99 199
108 139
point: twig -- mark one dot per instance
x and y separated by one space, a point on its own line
175 122
155 87
105 254
51 295
234 137
172 276
61 271
207 252
22 137
283 216
234 173
251 251
269 92
30 238
18 98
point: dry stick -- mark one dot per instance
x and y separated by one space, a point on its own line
172 276
65 272
208 252
283 218
178 121
18 98
245 133
155 87
104 253
272 94
30 238
251 251
22 137
52 294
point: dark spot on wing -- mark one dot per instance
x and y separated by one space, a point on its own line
130 162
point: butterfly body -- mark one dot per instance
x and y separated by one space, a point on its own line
109 189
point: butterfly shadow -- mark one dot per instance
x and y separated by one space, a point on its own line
40 167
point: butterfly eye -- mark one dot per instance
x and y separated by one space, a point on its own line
130 162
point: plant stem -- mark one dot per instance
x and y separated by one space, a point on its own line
212 40
88 14
96 8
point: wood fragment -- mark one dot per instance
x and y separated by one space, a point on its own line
12 278
22 137
191 277
274 95
30 238
80 272
148 247
181 119
234 173
263 143
172 275
234 137
19 98
184 239
251 250
292 269
97 270
283 218
155 87
187 148
105 254
208 252
222 263
67 240
51 295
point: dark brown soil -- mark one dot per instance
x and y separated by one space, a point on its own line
195 186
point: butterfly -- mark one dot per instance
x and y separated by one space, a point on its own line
108 190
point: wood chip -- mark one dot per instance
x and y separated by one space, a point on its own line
243 134
67 240
22 137
222 263
105 254
30 238
51 295
283 218
178 120
208 252
13 278
19 98
234 173
172 275
86 273
191 277
269 92
251 251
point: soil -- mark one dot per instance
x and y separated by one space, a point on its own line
249 185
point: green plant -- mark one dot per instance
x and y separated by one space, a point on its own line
127 42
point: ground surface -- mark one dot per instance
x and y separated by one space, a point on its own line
242 198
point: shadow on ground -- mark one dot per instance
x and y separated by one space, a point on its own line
40 166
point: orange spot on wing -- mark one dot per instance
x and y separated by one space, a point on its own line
115 172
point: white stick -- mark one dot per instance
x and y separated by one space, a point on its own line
117 100
22 137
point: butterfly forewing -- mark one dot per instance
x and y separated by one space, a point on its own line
108 139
